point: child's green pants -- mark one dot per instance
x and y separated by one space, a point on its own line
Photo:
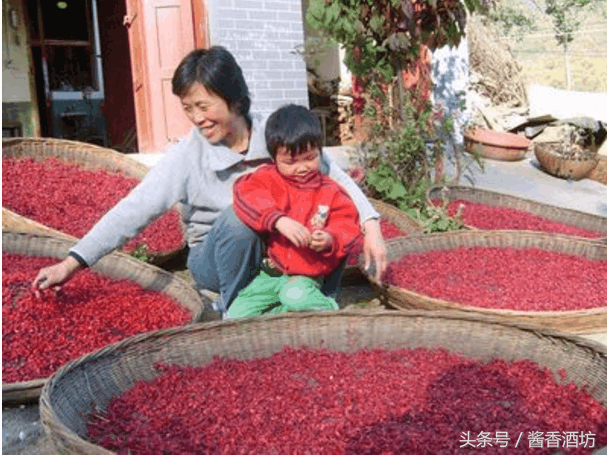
277 294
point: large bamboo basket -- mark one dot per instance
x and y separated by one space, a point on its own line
91 157
107 373
558 214
576 322
14 221
115 266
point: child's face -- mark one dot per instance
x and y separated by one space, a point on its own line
300 165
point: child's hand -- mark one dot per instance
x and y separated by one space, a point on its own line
321 240
293 230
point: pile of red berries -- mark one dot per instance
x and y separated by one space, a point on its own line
316 401
71 199
90 311
389 231
528 279
484 216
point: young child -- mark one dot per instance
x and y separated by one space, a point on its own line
310 222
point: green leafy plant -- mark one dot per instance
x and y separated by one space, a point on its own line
566 21
515 21
381 38
142 253
403 162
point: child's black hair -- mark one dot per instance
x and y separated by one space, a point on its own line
294 127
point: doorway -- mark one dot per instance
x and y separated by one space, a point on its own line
82 71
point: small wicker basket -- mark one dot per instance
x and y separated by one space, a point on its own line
559 166
577 321
88 384
115 266
599 173
91 157
562 215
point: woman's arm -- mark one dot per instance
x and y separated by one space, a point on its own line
161 188
374 246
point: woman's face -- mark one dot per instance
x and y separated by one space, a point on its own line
210 113
299 166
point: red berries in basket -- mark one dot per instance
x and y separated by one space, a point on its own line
71 199
90 311
528 279
389 231
484 216
316 401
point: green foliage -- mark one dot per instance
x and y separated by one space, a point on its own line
399 164
513 22
565 18
381 36
142 253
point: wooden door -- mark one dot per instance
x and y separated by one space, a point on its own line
161 33
133 21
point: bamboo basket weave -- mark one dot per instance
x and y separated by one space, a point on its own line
109 372
599 173
15 222
397 217
115 266
576 321
558 214
88 155
91 157
557 165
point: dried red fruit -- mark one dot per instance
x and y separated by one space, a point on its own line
484 216
69 198
528 279
41 334
316 401
389 231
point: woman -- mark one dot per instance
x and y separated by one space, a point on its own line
199 172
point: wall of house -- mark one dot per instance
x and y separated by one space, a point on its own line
264 36
17 100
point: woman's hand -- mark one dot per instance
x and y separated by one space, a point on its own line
321 240
375 248
293 230
55 275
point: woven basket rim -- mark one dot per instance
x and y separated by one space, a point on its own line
555 213
100 157
56 428
394 294
24 224
196 303
62 146
396 216
564 167
546 149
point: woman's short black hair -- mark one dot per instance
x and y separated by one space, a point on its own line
216 69
294 127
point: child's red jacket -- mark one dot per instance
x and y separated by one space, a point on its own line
263 196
